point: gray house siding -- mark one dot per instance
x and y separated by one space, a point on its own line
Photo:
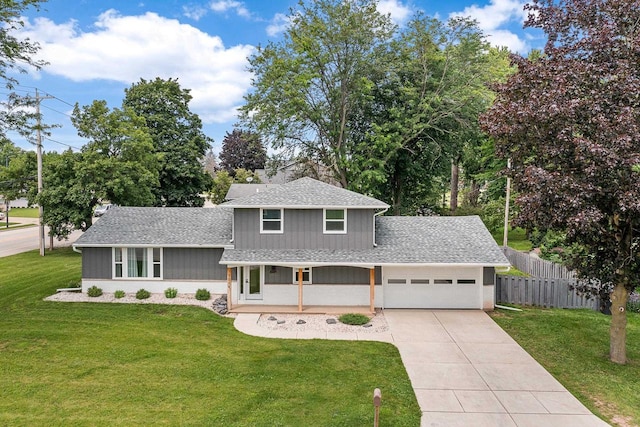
488 276
194 264
303 230
343 275
338 275
96 263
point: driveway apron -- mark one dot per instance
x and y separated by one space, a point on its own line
466 371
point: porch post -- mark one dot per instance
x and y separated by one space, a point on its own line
228 288
372 288
300 290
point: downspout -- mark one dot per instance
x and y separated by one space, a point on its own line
375 245
76 249
233 226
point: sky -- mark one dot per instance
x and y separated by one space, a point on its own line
97 48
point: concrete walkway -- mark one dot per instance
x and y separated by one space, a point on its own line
465 371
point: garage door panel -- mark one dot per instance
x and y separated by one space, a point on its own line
432 288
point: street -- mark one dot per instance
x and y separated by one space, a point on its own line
25 239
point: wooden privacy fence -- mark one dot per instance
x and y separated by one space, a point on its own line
537 267
551 284
543 292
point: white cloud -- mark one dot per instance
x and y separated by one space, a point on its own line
493 17
279 24
399 12
194 12
127 48
225 5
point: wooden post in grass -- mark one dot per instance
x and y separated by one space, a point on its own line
228 289
372 289
377 402
300 290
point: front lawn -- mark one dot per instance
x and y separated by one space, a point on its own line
110 364
24 213
574 346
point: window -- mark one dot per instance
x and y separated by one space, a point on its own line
397 281
133 263
443 281
306 275
419 281
466 282
271 220
335 221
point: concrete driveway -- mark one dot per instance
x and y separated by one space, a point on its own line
466 371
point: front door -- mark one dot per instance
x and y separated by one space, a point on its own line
252 282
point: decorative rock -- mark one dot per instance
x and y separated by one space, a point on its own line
300 322
368 325
272 318
280 322
332 321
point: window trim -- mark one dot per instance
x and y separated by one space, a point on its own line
124 263
262 220
325 220
304 270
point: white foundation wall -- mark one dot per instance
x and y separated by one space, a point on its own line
155 286
335 295
489 297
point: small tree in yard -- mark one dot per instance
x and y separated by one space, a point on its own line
570 122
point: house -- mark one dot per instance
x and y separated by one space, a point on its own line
237 191
301 243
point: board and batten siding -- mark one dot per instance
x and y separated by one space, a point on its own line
193 264
333 275
303 230
96 263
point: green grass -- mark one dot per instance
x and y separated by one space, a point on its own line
78 364
516 239
4 228
24 212
574 346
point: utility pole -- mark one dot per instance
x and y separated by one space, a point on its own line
506 207
39 157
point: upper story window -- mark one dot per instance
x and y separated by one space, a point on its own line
335 221
134 263
271 220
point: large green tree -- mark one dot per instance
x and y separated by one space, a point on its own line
177 138
570 122
16 56
426 111
311 90
118 163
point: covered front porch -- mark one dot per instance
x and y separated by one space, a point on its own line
309 289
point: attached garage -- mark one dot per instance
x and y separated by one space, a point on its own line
456 287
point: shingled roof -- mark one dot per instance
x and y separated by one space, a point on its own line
169 227
400 240
307 193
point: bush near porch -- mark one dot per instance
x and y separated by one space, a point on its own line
121 365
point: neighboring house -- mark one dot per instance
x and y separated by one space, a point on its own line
299 244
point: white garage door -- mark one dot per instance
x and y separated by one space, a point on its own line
432 287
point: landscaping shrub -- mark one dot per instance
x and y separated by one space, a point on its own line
143 294
203 295
94 291
171 292
118 294
354 319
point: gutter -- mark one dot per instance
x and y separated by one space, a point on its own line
75 249
375 245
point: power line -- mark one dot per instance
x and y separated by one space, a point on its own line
61 143
59 112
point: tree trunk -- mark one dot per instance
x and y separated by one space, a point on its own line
396 192
618 331
474 194
453 202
